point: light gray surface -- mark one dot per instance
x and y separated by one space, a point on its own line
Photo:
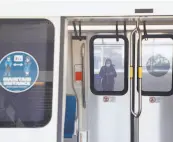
111 121
74 139
61 73
107 122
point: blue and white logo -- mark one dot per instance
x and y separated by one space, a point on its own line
18 71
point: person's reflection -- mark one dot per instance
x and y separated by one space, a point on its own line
108 73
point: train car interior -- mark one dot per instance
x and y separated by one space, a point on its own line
134 102
118 78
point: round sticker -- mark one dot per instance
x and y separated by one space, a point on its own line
158 65
18 71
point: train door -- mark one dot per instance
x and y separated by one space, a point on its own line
137 107
151 100
155 122
128 82
151 83
101 112
108 102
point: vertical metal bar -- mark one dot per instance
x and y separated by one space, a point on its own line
139 57
125 30
131 73
83 74
117 31
138 62
80 31
133 97
136 129
145 31
136 119
75 30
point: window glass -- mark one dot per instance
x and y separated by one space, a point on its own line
109 64
30 108
157 64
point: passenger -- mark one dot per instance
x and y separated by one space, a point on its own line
108 73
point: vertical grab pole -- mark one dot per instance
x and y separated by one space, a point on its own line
139 58
131 72
139 78
139 54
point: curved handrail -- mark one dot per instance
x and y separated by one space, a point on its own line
136 30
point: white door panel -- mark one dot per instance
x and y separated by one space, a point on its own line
156 117
109 121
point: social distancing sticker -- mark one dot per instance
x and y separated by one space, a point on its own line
18 71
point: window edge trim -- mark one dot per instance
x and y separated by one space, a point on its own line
155 93
126 50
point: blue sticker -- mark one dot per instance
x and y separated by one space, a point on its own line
18 71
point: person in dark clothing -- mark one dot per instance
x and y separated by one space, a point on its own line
108 73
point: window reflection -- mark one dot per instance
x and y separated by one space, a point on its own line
31 108
109 64
157 64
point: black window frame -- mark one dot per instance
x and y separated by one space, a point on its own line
48 85
155 93
126 50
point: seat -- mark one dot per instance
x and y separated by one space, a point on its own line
70 116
